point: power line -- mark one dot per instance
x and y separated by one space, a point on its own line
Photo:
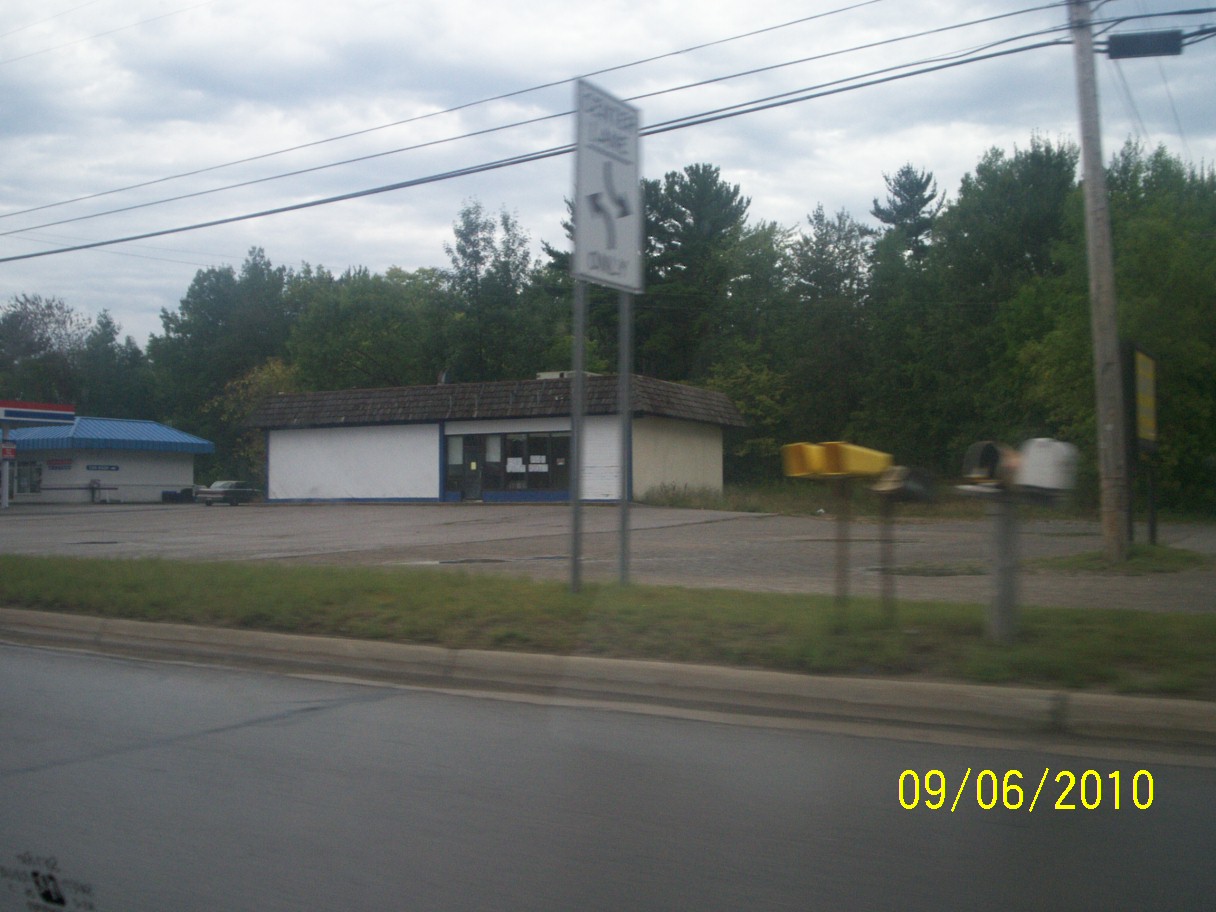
452 110
60 15
783 99
114 31
534 120
668 126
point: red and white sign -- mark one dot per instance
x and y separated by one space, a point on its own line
8 451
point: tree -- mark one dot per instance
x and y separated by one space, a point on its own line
246 456
912 205
695 223
226 325
41 340
492 335
1006 221
365 330
947 327
822 340
1163 217
115 380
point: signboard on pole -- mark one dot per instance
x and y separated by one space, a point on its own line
8 451
607 192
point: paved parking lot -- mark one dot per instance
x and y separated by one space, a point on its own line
946 560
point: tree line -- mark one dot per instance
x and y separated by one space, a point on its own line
948 319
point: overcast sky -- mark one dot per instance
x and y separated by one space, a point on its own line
112 104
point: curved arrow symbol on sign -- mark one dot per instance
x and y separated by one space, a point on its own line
621 202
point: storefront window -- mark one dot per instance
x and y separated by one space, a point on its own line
29 478
517 462
511 462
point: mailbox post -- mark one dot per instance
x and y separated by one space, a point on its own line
840 462
1041 471
898 483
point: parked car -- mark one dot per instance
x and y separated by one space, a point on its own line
229 492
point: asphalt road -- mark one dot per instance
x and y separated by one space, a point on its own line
133 785
947 560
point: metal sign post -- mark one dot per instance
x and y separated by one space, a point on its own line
624 398
6 457
1145 373
578 401
608 228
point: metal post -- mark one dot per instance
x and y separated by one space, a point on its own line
844 491
578 400
1002 614
1112 452
4 471
624 398
887 559
1150 471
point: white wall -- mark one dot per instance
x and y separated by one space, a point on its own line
602 459
139 476
355 463
683 453
402 462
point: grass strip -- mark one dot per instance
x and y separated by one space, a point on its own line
1142 560
1123 651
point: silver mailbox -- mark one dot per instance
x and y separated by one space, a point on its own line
1047 465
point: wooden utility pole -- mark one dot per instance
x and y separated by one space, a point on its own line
1108 377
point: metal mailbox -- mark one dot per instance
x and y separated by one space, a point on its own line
835 459
1047 465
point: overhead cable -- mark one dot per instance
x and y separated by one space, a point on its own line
526 122
452 110
553 152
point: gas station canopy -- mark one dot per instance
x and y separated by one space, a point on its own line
35 413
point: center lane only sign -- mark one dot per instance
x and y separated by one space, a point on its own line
607 192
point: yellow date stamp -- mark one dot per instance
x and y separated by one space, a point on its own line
1009 789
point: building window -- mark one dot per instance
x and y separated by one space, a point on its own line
29 478
512 462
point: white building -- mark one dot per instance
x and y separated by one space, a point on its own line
497 441
103 460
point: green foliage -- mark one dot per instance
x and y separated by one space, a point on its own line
247 457
911 207
226 325
51 353
115 379
492 332
1144 559
367 331
41 342
694 224
1164 224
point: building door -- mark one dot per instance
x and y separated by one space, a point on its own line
474 458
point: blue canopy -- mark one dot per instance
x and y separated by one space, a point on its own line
109 434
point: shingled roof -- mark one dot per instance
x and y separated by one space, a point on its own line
546 398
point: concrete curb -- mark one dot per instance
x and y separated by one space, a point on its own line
1008 710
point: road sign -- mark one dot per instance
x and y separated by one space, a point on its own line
8 451
607 192
1146 401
